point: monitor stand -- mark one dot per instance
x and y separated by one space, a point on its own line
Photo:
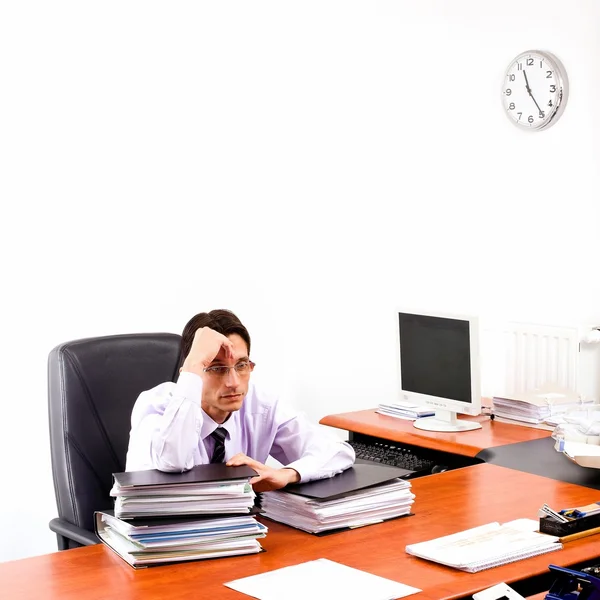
445 420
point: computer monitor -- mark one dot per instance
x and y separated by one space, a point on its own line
439 368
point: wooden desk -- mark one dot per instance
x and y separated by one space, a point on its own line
445 503
465 443
513 446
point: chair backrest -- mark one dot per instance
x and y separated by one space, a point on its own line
92 386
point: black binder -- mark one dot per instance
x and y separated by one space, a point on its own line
198 474
358 477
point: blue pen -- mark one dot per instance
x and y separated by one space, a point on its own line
578 513
582 511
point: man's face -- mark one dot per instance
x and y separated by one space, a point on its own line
224 394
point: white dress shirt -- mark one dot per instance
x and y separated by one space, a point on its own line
171 432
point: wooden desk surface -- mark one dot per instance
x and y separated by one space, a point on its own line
465 443
445 503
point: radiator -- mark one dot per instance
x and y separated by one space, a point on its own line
518 357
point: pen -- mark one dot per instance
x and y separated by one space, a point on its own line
581 511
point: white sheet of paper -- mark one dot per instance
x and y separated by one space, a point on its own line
524 524
551 396
573 449
498 591
320 579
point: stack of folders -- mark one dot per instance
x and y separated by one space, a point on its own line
161 517
405 410
361 495
542 406
204 490
487 546
145 542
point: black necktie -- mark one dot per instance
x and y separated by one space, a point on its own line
218 435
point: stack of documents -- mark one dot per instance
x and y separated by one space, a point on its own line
159 517
544 405
204 490
405 410
487 546
149 542
362 495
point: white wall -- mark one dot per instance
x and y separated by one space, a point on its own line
309 165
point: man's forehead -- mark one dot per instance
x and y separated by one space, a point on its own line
237 356
240 350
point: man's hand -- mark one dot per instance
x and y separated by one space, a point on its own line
206 346
268 479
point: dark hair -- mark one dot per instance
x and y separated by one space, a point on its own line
221 320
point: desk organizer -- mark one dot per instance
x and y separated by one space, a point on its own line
553 527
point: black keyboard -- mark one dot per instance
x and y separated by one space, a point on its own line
387 453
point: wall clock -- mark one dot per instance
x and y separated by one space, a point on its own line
535 90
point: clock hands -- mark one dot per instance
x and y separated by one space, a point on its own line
529 92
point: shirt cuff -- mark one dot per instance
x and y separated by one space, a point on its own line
311 469
189 386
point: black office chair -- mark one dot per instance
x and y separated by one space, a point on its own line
92 386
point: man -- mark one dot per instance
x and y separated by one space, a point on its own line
215 413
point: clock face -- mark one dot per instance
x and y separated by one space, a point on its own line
535 90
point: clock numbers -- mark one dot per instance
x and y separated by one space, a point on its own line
533 89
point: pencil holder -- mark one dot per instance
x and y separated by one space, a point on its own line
553 527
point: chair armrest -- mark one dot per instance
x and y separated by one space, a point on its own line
72 532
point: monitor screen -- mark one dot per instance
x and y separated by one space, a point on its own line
439 367
436 357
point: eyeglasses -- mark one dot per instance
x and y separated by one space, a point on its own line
242 368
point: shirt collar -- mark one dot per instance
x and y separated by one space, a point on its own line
209 425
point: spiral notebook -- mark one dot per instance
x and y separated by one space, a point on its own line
487 546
